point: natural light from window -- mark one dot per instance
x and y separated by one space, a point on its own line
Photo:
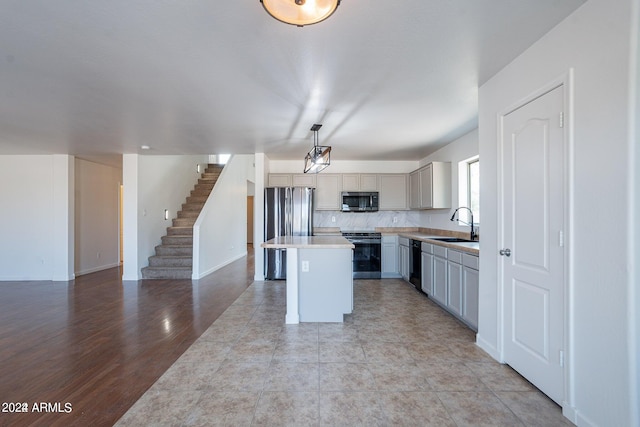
469 188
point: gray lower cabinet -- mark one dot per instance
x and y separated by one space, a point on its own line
440 275
427 268
390 257
470 284
454 276
450 278
403 257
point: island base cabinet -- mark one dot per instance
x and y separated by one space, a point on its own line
325 284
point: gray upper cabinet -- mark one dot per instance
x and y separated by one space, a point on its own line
392 187
393 191
292 180
279 180
327 194
430 186
359 182
304 180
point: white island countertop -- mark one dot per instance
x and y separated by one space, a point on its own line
308 242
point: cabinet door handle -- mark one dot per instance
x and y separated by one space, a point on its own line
505 252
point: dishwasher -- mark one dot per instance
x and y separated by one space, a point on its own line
415 264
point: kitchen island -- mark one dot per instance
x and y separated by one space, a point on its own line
319 277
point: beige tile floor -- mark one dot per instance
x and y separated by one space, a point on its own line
397 360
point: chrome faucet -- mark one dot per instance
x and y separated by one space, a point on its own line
453 218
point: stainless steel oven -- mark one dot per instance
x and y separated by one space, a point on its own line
367 263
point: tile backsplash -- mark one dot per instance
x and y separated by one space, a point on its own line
366 220
435 219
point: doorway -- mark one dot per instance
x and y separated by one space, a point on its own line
250 220
532 265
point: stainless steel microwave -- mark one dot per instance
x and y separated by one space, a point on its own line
359 201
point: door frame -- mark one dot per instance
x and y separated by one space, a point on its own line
565 80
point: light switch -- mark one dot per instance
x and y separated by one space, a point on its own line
305 266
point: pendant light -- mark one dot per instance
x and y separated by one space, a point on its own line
300 12
319 157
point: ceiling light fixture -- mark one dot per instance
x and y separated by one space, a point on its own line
319 157
300 12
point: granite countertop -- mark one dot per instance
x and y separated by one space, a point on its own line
415 233
469 247
304 242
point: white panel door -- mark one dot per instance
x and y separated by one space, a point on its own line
532 253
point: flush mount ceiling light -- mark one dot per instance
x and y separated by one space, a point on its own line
319 157
300 12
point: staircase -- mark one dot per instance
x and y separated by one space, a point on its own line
174 257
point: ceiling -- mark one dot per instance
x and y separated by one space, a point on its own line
388 80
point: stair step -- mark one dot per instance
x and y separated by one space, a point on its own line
192 206
211 180
210 175
203 187
200 192
184 222
188 214
166 273
177 240
179 231
174 250
197 199
170 261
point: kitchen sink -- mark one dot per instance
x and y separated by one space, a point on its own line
452 239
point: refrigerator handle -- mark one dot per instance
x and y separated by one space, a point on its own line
287 212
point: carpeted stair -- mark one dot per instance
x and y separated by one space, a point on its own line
174 257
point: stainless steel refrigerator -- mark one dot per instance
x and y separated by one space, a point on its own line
288 211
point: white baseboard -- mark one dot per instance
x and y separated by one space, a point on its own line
490 349
570 413
195 276
95 269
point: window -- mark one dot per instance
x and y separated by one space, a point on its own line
473 188
220 159
469 189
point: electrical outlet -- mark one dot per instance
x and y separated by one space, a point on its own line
333 219
395 219
305 266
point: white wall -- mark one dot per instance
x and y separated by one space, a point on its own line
36 219
457 151
220 232
97 190
594 42
261 171
151 185
130 178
